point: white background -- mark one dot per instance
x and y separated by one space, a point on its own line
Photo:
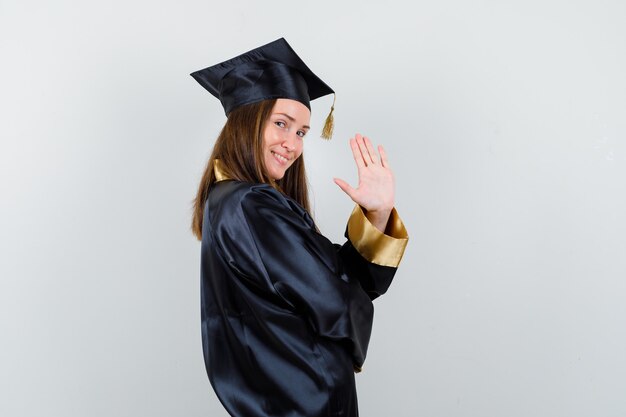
505 122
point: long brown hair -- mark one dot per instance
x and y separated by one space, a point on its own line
239 147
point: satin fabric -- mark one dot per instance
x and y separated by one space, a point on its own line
270 71
256 81
286 315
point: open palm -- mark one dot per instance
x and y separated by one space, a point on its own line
376 189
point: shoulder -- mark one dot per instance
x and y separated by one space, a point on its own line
231 194
239 200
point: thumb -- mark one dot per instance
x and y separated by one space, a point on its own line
345 187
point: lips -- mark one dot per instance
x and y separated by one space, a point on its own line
283 160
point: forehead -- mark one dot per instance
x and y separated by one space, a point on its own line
294 109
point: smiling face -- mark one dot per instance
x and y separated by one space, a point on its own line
283 136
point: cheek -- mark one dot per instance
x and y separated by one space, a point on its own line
299 149
267 136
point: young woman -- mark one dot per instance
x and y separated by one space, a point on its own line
286 314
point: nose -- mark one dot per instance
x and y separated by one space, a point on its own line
289 142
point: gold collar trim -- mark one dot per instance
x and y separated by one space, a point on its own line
218 171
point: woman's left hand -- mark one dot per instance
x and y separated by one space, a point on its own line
376 189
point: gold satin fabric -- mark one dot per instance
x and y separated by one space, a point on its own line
217 170
375 246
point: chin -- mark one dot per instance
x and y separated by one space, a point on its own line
276 173
278 176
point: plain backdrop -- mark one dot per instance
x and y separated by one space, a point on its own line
504 121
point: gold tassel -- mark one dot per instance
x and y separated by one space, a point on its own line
329 124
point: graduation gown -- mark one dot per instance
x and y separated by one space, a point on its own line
286 314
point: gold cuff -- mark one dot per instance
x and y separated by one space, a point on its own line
377 247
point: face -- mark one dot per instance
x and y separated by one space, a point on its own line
283 136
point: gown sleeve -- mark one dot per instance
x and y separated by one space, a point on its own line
370 255
274 248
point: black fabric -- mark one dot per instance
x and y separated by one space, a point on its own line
269 71
285 313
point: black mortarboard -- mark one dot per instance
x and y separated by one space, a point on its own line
269 71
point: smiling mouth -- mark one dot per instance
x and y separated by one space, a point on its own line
280 158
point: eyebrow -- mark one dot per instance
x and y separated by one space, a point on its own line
292 119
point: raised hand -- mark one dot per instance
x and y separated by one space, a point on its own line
376 189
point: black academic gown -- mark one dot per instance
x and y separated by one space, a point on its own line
286 315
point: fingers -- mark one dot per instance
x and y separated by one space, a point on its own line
365 154
383 156
346 188
364 150
370 150
356 152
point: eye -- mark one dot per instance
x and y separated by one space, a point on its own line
280 123
301 133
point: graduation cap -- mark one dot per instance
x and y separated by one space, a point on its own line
268 72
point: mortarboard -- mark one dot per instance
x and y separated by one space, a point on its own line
267 72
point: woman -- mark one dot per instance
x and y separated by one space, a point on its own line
286 315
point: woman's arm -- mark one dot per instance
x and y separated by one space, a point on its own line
377 237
